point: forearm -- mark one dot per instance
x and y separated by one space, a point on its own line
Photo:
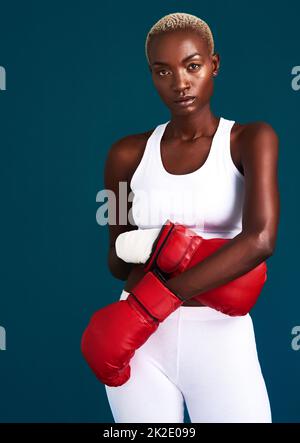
119 268
233 259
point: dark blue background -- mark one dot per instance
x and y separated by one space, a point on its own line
71 67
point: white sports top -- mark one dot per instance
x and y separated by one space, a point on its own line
208 200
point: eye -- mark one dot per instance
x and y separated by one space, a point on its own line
162 70
195 64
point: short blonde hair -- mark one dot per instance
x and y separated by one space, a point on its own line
179 21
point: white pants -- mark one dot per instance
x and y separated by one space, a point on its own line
199 356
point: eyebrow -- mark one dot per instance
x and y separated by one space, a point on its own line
184 60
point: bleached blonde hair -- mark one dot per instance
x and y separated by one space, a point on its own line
179 21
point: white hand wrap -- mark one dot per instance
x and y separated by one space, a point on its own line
136 246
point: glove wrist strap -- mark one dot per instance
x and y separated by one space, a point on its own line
155 297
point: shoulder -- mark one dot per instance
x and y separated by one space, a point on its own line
129 144
256 139
250 133
124 155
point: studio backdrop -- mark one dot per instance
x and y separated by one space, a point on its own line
73 80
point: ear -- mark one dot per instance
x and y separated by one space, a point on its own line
216 63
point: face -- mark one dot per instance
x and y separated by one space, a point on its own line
176 70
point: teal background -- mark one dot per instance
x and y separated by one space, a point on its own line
71 68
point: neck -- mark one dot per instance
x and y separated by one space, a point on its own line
192 126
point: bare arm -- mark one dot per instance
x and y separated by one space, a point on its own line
257 240
118 168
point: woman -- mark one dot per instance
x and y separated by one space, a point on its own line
198 355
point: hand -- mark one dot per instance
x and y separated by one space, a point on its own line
178 248
235 298
116 331
135 246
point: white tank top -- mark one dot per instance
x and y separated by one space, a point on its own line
208 200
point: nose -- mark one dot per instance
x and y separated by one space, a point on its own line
180 82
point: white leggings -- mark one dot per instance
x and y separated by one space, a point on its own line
197 356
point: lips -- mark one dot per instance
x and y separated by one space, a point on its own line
186 102
184 99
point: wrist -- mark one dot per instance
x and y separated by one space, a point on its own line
178 287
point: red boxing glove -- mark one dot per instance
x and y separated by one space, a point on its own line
111 338
173 249
238 296
116 331
234 298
